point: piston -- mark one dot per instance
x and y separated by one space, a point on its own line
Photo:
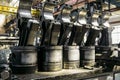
71 57
50 58
87 58
23 59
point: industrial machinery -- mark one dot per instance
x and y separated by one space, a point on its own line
59 34
5 71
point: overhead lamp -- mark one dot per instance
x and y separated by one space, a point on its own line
82 16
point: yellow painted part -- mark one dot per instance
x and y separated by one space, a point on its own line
13 10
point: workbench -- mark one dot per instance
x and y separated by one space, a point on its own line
65 74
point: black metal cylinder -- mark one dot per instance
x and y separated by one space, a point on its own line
23 59
87 56
50 58
71 57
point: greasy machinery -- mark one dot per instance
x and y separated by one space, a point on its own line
62 25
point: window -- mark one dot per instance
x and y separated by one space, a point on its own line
116 35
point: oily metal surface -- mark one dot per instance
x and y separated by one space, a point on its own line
65 15
82 17
24 55
87 57
25 4
47 35
65 34
80 33
24 59
71 57
47 11
34 29
93 33
50 58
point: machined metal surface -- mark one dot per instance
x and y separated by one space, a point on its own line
82 17
33 31
92 35
24 15
24 9
95 19
65 14
25 4
47 11
80 34
55 33
87 56
50 58
71 57
23 58
56 30
106 39
65 34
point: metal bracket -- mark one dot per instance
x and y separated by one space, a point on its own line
82 16
93 33
65 34
23 16
55 33
47 11
65 13
80 33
